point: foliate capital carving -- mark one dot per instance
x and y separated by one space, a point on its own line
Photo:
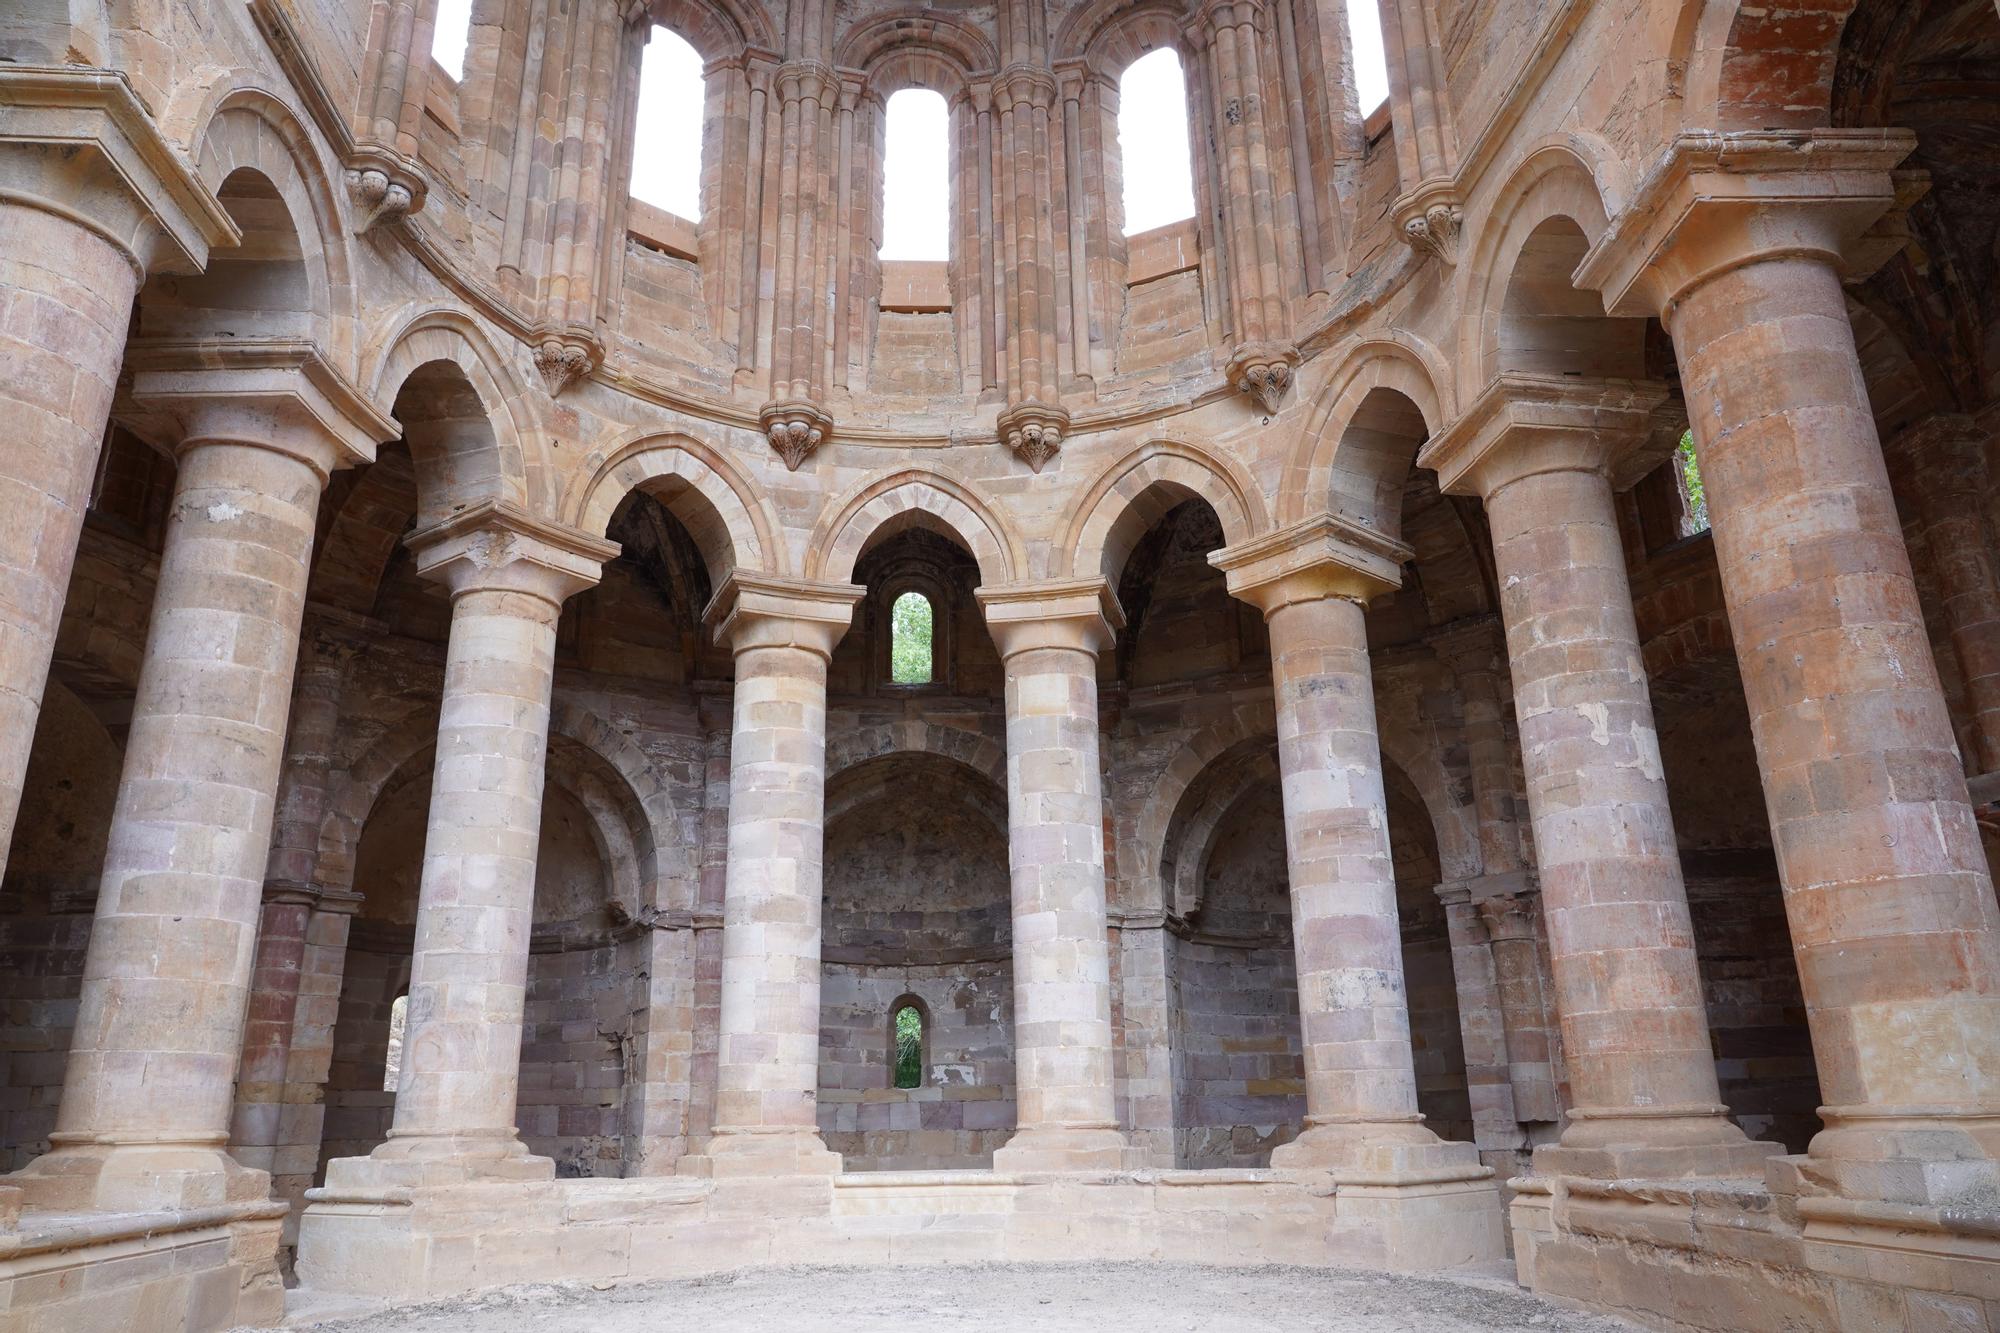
1432 217
796 428
1263 371
384 187
1034 431
564 356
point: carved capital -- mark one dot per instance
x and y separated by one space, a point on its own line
1321 556
565 356
1431 218
796 428
1033 430
384 187
1264 372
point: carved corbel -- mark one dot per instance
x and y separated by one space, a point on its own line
1431 217
1264 371
796 428
565 356
1034 431
384 187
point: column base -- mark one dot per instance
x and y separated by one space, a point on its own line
1655 1143
414 1161
1434 1203
1383 1148
740 1153
80 1175
1925 1156
1037 1151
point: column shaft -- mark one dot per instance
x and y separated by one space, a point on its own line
1886 888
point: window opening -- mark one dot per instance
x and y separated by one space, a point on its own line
910 639
909 1028
450 36
1694 496
916 206
666 138
392 1066
1371 61
1153 142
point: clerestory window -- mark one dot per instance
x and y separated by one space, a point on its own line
450 36
907 1027
666 137
1153 142
916 203
1371 62
912 640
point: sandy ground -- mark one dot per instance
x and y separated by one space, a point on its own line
1016 1298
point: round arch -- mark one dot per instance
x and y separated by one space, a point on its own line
730 518
1142 835
1323 473
913 497
915 48
716 29
1133 493
1754 67
983 754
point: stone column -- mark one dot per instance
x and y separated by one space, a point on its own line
1474 651
264 1104
1049 636
1482 1029
90 199
148 1090
1946 457
1741 241
508 575
1542 452
1313 581
1524 1008
782 632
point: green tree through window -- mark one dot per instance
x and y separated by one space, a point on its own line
910 640
1695 495
909 1047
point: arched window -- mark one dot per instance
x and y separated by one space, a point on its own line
912 638
1371 64
392 1067
1153 142
906 1030
451 35
666 139
916 206
1694 496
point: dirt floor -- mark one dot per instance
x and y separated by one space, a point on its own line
1017 1298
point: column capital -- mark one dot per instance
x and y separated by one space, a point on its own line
81 146
1712 202
1523 424
496 546
1471 645
1315 558
280 393
752 610
1078 614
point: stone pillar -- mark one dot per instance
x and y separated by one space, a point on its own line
1542 452
1741 241
1474 651
1049 636
90 199
509 575
782 632
148 1090
1524 1008
263 1122
1482 1029
1947 471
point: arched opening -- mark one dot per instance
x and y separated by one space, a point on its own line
916 200
1549 326
909 1034
667 133
911 639
451 35
1153 142
1371 59
392 1060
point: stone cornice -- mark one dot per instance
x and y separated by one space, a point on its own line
496 545
1318 557
166 218
1712 202
1078 614
1523 424
279 392
752 610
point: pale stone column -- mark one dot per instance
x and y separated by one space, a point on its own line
782 632
1541 451
1524 1008
1482 1030
1049 636
90 199
1741 242
148 1090
1313 581
509 575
